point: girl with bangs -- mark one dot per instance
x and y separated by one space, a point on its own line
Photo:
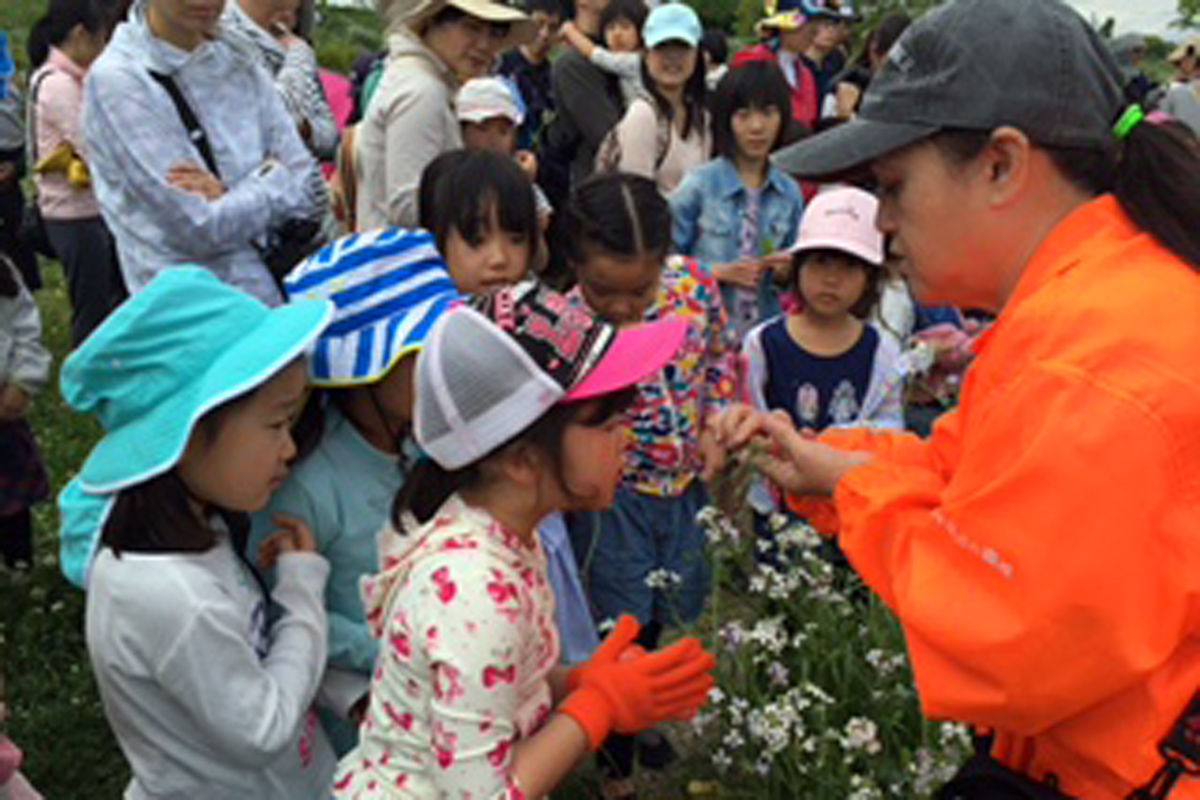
735 211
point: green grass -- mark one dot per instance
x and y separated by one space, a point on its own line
54 710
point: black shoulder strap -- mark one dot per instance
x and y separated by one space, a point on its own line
31 115
195 133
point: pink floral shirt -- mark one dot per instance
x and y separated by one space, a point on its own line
466 618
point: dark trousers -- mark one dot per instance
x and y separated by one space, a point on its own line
89 258
16 538
12 211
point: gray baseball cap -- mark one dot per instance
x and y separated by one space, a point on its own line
976 65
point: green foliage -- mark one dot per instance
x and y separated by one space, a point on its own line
345 33
1189 14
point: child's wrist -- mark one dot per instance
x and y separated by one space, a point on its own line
592 711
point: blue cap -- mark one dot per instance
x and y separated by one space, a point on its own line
672 22
389 286
163 359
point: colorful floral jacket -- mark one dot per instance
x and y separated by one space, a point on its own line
673 405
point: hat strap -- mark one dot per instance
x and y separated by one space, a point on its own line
1134 115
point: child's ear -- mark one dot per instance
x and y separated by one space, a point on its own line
521 463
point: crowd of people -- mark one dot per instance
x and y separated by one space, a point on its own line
403 417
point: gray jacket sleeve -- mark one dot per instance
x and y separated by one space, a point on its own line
28 361
300 85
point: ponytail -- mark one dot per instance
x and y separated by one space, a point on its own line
1154 173
427 488
1158 185
56 25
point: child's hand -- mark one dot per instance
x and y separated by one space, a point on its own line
293 536
14 402
712 455
528 163
740 273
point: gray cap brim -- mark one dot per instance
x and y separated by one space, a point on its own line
848 146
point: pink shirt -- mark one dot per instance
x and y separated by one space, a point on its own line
58 117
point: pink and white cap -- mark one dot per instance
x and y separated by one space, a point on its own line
490 370
842 219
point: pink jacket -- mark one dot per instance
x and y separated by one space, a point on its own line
58 118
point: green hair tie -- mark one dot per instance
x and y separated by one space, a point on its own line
1133 116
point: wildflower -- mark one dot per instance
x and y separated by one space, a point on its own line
721 760
861 734
663 579
778 674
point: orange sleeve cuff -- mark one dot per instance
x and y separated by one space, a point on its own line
593 713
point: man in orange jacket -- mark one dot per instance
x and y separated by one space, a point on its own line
1042 548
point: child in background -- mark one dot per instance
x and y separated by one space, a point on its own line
518 408
479 207
528 66
388 286
490 112
739 207
206 688
621 25
619 229
822 363
24 370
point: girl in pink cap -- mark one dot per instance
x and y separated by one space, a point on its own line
823 363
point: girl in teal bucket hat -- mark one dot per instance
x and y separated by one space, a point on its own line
206 687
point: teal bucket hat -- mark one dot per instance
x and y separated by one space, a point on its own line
389 286
166 357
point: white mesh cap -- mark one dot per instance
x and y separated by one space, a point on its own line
476 389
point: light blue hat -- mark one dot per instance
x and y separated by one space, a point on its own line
389 286
167 356
672 22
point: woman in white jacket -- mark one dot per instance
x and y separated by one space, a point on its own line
213 196
433 46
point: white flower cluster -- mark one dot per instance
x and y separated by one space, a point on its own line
664 580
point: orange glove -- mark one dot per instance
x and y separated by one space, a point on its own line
625 691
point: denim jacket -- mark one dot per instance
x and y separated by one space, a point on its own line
708 207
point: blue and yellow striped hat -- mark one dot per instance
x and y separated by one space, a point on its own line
389 286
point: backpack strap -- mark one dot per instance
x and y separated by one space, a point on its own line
195 133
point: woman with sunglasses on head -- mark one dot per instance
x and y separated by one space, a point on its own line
433 47
1040 548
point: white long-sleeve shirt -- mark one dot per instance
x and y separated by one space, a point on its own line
135 135
205 699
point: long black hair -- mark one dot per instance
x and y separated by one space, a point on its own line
756 84
60 19
617 214
694 92
1154 173
459 188
429 485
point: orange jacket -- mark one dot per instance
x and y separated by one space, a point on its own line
1042 548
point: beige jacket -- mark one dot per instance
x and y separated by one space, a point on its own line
408 124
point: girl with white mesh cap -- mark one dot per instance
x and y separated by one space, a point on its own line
518 402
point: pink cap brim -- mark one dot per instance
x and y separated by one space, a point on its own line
867 253
636 352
